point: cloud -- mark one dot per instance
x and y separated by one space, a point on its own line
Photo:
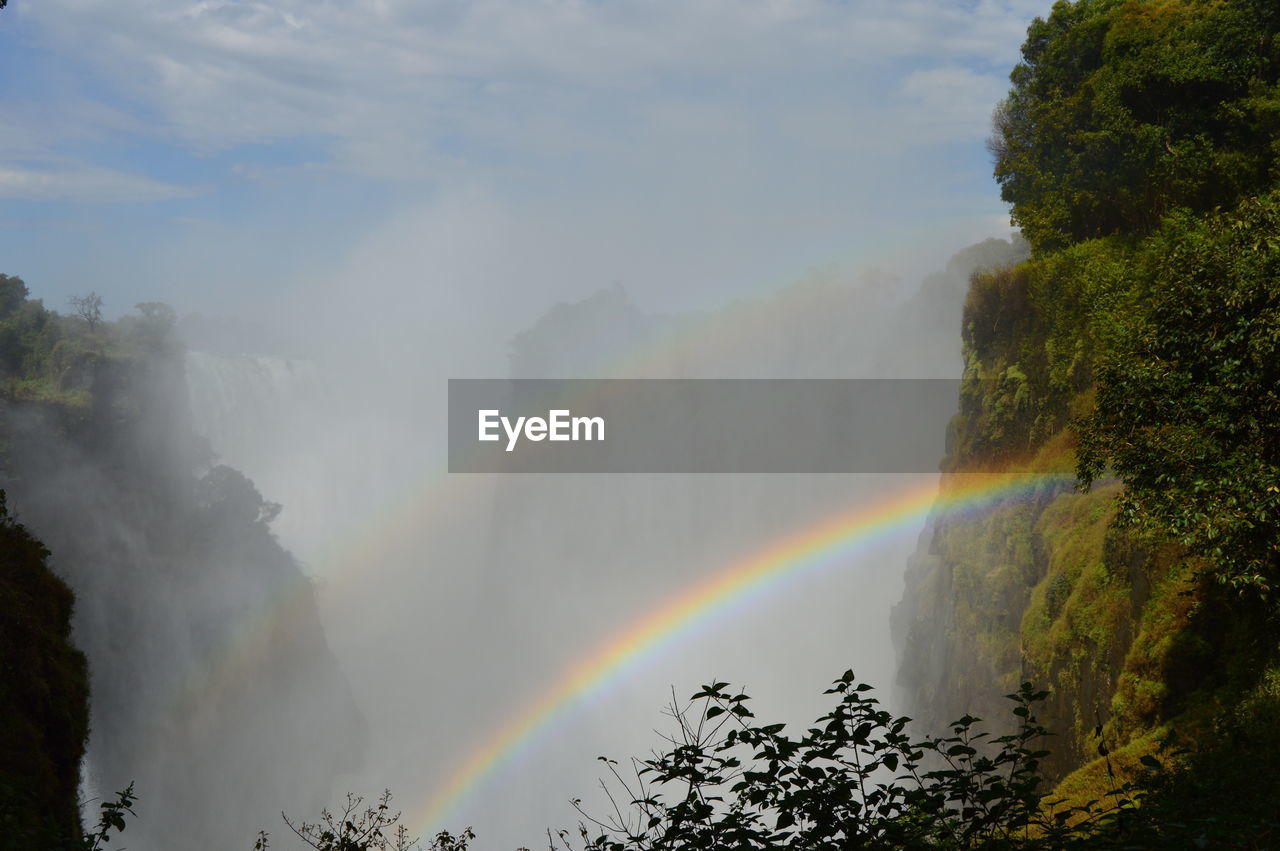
691 148
952 102
34 166
399 87
74 181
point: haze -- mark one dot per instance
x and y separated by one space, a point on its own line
399 193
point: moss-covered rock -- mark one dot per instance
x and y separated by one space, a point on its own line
1127 623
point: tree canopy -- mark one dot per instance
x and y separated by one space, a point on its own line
1188 404
1122 111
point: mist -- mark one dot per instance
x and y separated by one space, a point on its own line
352 205
456 604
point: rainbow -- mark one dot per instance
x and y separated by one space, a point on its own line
826 544
399 515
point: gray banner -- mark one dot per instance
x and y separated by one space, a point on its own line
698 425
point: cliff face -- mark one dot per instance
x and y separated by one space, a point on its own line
44 702
213 689
1130 630
1037 588
1138 348
1038 585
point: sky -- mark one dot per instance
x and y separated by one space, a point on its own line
238 157
413 183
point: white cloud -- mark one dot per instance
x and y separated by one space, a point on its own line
72 181
396 82
32 167
688 147
951 102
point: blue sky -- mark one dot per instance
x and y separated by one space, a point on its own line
231 157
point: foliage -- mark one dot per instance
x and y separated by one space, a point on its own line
1138 148
1188 405
231 500
13 292
110 818
44 706
25 824
1160 352
1031 335
857 779
854 780
1077 626
88 308
1123 111
358 827
153 327
53 359
44 695
1232 775
373 828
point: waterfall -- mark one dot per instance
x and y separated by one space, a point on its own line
213 687
244 404
455 603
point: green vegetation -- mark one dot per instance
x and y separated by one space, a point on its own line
1188 404
1124 111
855 779
1139 347
97 450
55 360
44 705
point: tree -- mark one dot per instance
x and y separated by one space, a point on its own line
153 326
13 292
230 497
157 313
1188 405
88 307
1122 111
